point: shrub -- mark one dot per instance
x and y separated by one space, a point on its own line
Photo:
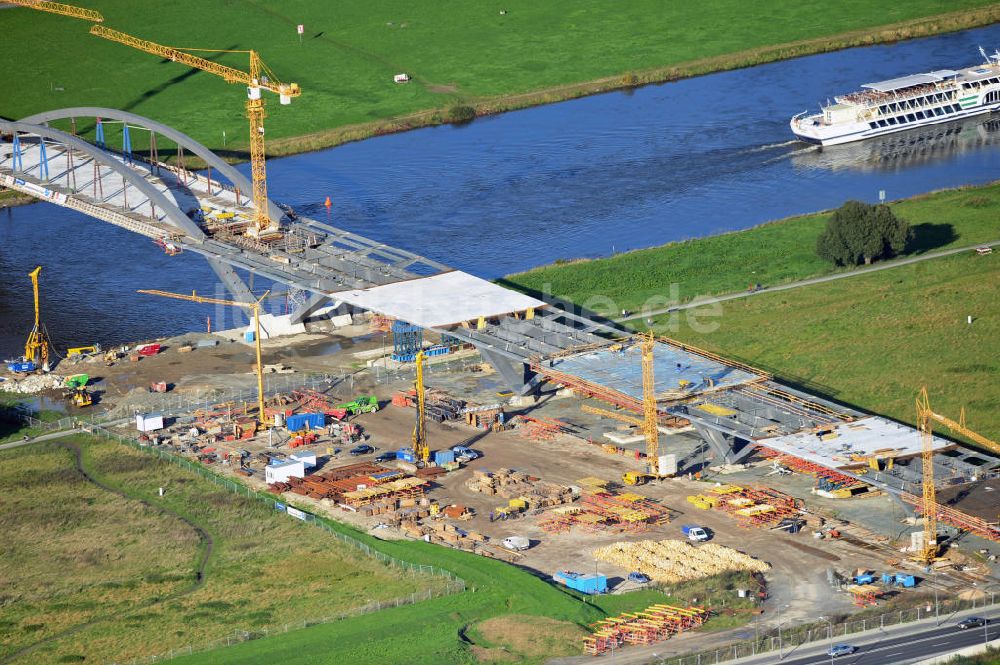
861 233
461 114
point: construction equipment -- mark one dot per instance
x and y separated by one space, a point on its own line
929 507
81 397
258 78
255 307
83 350
637 478
36 349
59 8
649 423
420 448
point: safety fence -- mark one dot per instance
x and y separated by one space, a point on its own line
452 583
782 641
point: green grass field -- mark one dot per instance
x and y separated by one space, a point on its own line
74 553
769 254
874 340
457 53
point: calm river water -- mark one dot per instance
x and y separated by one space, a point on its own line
583 178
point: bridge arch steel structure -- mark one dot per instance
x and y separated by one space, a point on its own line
180 138
174 215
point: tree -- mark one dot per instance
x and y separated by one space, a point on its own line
861 233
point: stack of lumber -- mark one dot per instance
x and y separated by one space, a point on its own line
673 561
512 484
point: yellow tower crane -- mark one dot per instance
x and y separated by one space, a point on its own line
649 423
257 79
36 349
420 448
929 509
253 306
925 415
59 8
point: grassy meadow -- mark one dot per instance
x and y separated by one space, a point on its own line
872 341
74 554
769 254
457 54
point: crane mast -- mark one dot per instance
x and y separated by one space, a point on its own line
650 426
36 349
420 448
257 79
929 510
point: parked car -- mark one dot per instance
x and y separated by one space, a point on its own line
972 622
841 650
385 457
363 449
638 578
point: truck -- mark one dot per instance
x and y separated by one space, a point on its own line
516 543
695 533
363 404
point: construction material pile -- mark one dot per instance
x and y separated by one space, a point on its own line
512 484
673 561
608 511
438 405
828 480
760 507
541 429
364 487
31 384
651 625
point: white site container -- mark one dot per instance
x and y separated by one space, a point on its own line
282 471
148 422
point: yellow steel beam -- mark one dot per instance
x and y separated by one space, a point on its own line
59 8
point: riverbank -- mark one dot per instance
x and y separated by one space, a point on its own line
10 198
770 254
346 60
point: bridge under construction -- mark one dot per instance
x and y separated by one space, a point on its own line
736 409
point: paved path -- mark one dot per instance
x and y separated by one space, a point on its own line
812 280
36 439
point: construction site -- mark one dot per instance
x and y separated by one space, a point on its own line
429 404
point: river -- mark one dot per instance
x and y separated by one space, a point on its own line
582 178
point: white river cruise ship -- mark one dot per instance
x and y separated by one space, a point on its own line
903 103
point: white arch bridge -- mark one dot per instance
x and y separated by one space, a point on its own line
206 213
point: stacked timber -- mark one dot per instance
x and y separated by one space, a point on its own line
673 561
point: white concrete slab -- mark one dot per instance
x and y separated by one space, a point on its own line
440 300
864 437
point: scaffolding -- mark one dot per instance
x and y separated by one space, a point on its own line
407 340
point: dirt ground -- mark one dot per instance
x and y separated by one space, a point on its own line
798 583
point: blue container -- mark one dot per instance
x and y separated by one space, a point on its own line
908 581
406 455
864 579
302 421
444 456
248 336
22 366
888 578
589 584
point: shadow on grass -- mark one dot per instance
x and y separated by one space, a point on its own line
928 237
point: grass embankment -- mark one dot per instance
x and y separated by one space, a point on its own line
10 198
769 254
74 553
457 53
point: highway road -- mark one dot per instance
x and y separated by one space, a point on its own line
891 648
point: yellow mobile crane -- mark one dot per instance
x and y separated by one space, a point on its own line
255 307
59 8
420 448
649 423
257 79
36 349
925 414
